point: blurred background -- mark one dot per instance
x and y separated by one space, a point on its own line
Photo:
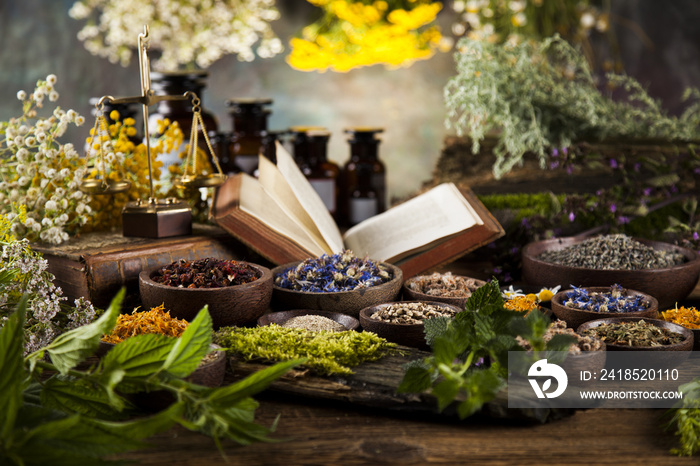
656 42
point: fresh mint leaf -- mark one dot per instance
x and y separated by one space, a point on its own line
12 372
72 347
191 346
416 379
445 350
490 293
435 327
482 385
446 391
70 395
140 355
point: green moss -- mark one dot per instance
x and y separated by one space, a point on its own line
327 352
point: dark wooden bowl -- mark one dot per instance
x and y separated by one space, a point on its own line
413 295
228 306
349 322
343 302
685 345
402 334
575 317
668 286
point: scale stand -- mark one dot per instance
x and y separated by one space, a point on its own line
153 217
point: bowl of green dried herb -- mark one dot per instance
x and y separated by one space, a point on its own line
636 333
665 271
341 283
235 292
578 305
402 322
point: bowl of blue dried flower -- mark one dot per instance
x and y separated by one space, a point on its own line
579 305
340 283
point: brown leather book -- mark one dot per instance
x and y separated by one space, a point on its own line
96 265
281 217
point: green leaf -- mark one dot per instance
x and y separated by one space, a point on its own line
483 385
445 392
561 342
416 379
74 346
445 350
70 395
12 372
191 346
140 355
490 293
252 384
435 327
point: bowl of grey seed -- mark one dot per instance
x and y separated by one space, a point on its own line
665 271
310 319
402 322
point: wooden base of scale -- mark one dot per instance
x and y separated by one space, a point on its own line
157 218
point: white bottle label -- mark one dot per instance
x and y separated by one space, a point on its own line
326 190
362 209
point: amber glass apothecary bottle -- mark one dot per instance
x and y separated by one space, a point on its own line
363 177
310 145
247 141
180 111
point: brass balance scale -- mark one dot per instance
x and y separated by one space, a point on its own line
152 217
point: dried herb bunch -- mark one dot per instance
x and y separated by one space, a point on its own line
637 333
542 95
156 321
206 273
338 272
615 300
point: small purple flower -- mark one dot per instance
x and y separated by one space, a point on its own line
637 166
647 192
623 220
555 152
565 150
497 270
674 188
613 163
525 223
554 165
572 216
696 236
570 169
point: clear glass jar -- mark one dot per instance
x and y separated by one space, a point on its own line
363 177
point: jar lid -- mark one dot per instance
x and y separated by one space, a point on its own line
309 130
248 102
364 129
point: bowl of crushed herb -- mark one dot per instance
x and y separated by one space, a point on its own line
402 322
158 321
236 292
310 319
688 317
342 283
582 304
441 287
636 333
662 270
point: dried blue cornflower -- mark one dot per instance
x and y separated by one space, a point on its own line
330 273
616 300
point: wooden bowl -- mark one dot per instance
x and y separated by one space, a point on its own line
279 318
575 317
228 306
668 286
402 334
343 302
685 345
413 295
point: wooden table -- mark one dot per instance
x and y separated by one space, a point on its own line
317 433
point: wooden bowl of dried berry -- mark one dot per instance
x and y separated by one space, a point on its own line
341 283
662 270
311 319
402 322
638 334
235 292
576 306
441 287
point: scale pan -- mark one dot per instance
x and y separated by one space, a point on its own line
100 186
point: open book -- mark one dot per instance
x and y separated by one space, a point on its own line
281 217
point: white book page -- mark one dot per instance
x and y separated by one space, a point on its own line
309 200
436 214
281 192
254 200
